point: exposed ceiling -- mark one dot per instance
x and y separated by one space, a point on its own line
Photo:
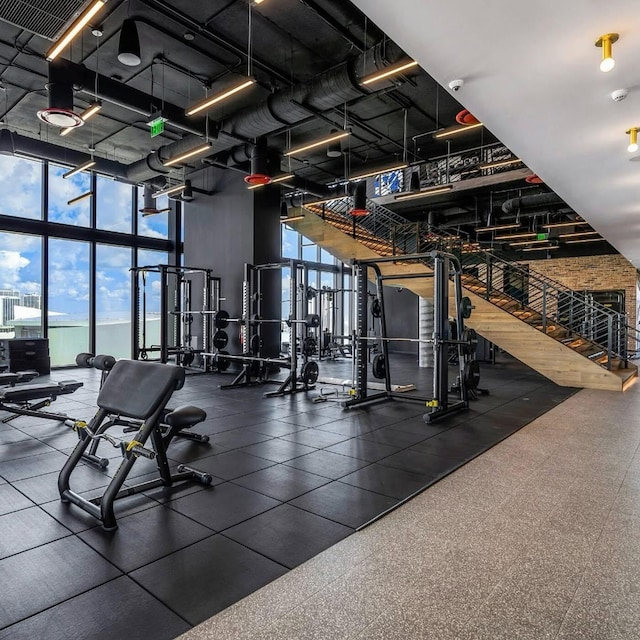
293 43
532 75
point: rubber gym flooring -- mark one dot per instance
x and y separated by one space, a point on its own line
291 478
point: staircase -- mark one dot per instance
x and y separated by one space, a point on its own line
558 332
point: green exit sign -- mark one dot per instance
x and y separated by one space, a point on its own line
157 126
542 236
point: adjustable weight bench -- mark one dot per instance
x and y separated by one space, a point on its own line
134 393
9 379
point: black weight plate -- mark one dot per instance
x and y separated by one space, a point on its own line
220 339
470 342
309 346
255 345
221 362
466 307
379 367
255 320
471 374
376 308
310 372
221 320
312 320
187 358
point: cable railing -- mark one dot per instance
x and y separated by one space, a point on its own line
572 317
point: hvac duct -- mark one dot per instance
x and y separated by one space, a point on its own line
525 202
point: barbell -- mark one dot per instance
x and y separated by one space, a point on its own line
222 320
468 341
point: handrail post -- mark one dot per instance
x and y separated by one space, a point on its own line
544 307
393 241
489 276
610 340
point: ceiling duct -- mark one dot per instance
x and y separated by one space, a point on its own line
60 112
538 200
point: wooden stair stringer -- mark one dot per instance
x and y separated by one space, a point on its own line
541 352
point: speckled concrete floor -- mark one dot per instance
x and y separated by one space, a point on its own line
537 538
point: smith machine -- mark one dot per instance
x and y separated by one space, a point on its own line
444 400
184 331
257 367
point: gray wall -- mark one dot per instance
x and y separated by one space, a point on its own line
402 318
232 227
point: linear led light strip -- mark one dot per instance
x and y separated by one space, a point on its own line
558 225
219 97
74 28
288 176
390 71
187 154
497 227
169 190
424 194
291 219
526 242
375 172
82 196
452 132
516 235
318 143
549 248
91 110
81 167
578 234
585 240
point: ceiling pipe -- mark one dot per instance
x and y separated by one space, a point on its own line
538 200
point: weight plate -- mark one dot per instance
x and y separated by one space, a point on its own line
255 345
309 346
471 374
312 320
311 293
220 339
466 307
187 358
221 362
255 320
379 367
310 372
376 308
469 341
221 320
253 367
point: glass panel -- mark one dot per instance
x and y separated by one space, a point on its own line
326 257
290 240
20 286
113 205
312 281
21 187
68 319
310 252
61 191
113 300
347 300
328 303
286 308
155 226
150 300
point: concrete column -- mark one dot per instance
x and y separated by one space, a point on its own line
425 332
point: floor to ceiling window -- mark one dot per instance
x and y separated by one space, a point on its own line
70 282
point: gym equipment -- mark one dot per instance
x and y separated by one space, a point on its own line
153 383
310 372
445 266
10 379
256 366
185 331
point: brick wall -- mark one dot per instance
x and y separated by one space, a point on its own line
593 273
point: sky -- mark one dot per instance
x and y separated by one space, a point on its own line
21 186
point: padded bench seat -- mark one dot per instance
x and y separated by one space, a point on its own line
185 416
28 392
9 379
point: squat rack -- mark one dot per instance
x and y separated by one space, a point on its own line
445 266
177 312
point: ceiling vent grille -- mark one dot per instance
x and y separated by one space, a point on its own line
46 18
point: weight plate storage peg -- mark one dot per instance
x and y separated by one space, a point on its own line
221 320
310 372
220 339
379 367
466 307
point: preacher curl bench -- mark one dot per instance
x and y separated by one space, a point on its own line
137 391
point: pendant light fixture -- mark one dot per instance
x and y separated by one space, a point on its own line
425 193
605 42
389 71
129 44
318 143
375 172
169 190
633 139
220 96
81 167
196 151
497 227
80 198
360 201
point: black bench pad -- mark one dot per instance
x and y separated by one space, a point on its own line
185 416
28 392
